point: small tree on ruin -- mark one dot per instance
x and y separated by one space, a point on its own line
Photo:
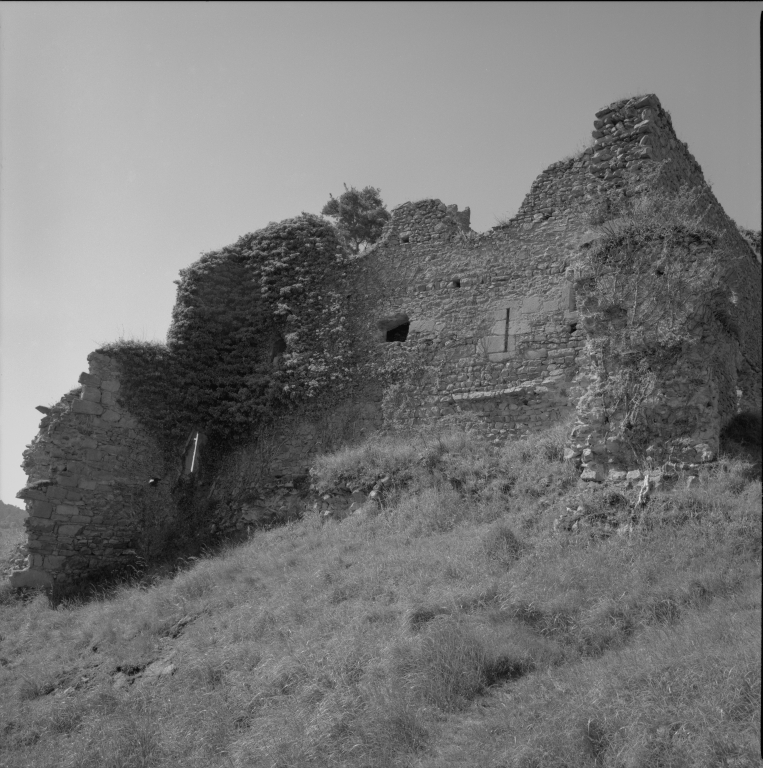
360 216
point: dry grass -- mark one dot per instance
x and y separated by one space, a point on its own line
445 630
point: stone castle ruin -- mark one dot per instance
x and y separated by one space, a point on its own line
620 293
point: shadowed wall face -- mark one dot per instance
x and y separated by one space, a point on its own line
89 499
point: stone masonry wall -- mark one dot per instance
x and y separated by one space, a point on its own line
487 327
694 393
508 373
493 318
90 506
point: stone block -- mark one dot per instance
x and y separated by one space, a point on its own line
93 394
112 385
491 344
66 509
69 530
29 494
423 325
111 417
31 578
87 407
634 475
41 509
531 304
87 485
68 481
108 398
115 450
53 562
593 473
89 380
40 524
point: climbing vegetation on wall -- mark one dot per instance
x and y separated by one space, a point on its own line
647 283
258 327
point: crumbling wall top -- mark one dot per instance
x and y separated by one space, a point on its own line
425 220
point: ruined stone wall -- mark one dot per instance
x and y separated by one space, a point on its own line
718 373
89 503
649 403
629 138
492 317
435 320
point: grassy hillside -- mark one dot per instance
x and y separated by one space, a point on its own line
11 515
450 625
12 536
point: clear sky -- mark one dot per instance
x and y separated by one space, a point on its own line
137 135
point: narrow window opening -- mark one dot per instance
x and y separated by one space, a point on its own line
279 347
399 333
456 283
506 332
573 328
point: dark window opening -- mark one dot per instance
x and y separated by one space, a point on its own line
573 327
506 333
399 333
394 327
279 347
455 283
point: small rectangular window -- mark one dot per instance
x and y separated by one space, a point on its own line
506 333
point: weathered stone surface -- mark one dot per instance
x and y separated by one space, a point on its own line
40 509
83 512
69 530
31 578
593 473
91 393
87 407
62 510
89 379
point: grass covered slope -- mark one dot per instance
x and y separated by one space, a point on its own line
452 625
